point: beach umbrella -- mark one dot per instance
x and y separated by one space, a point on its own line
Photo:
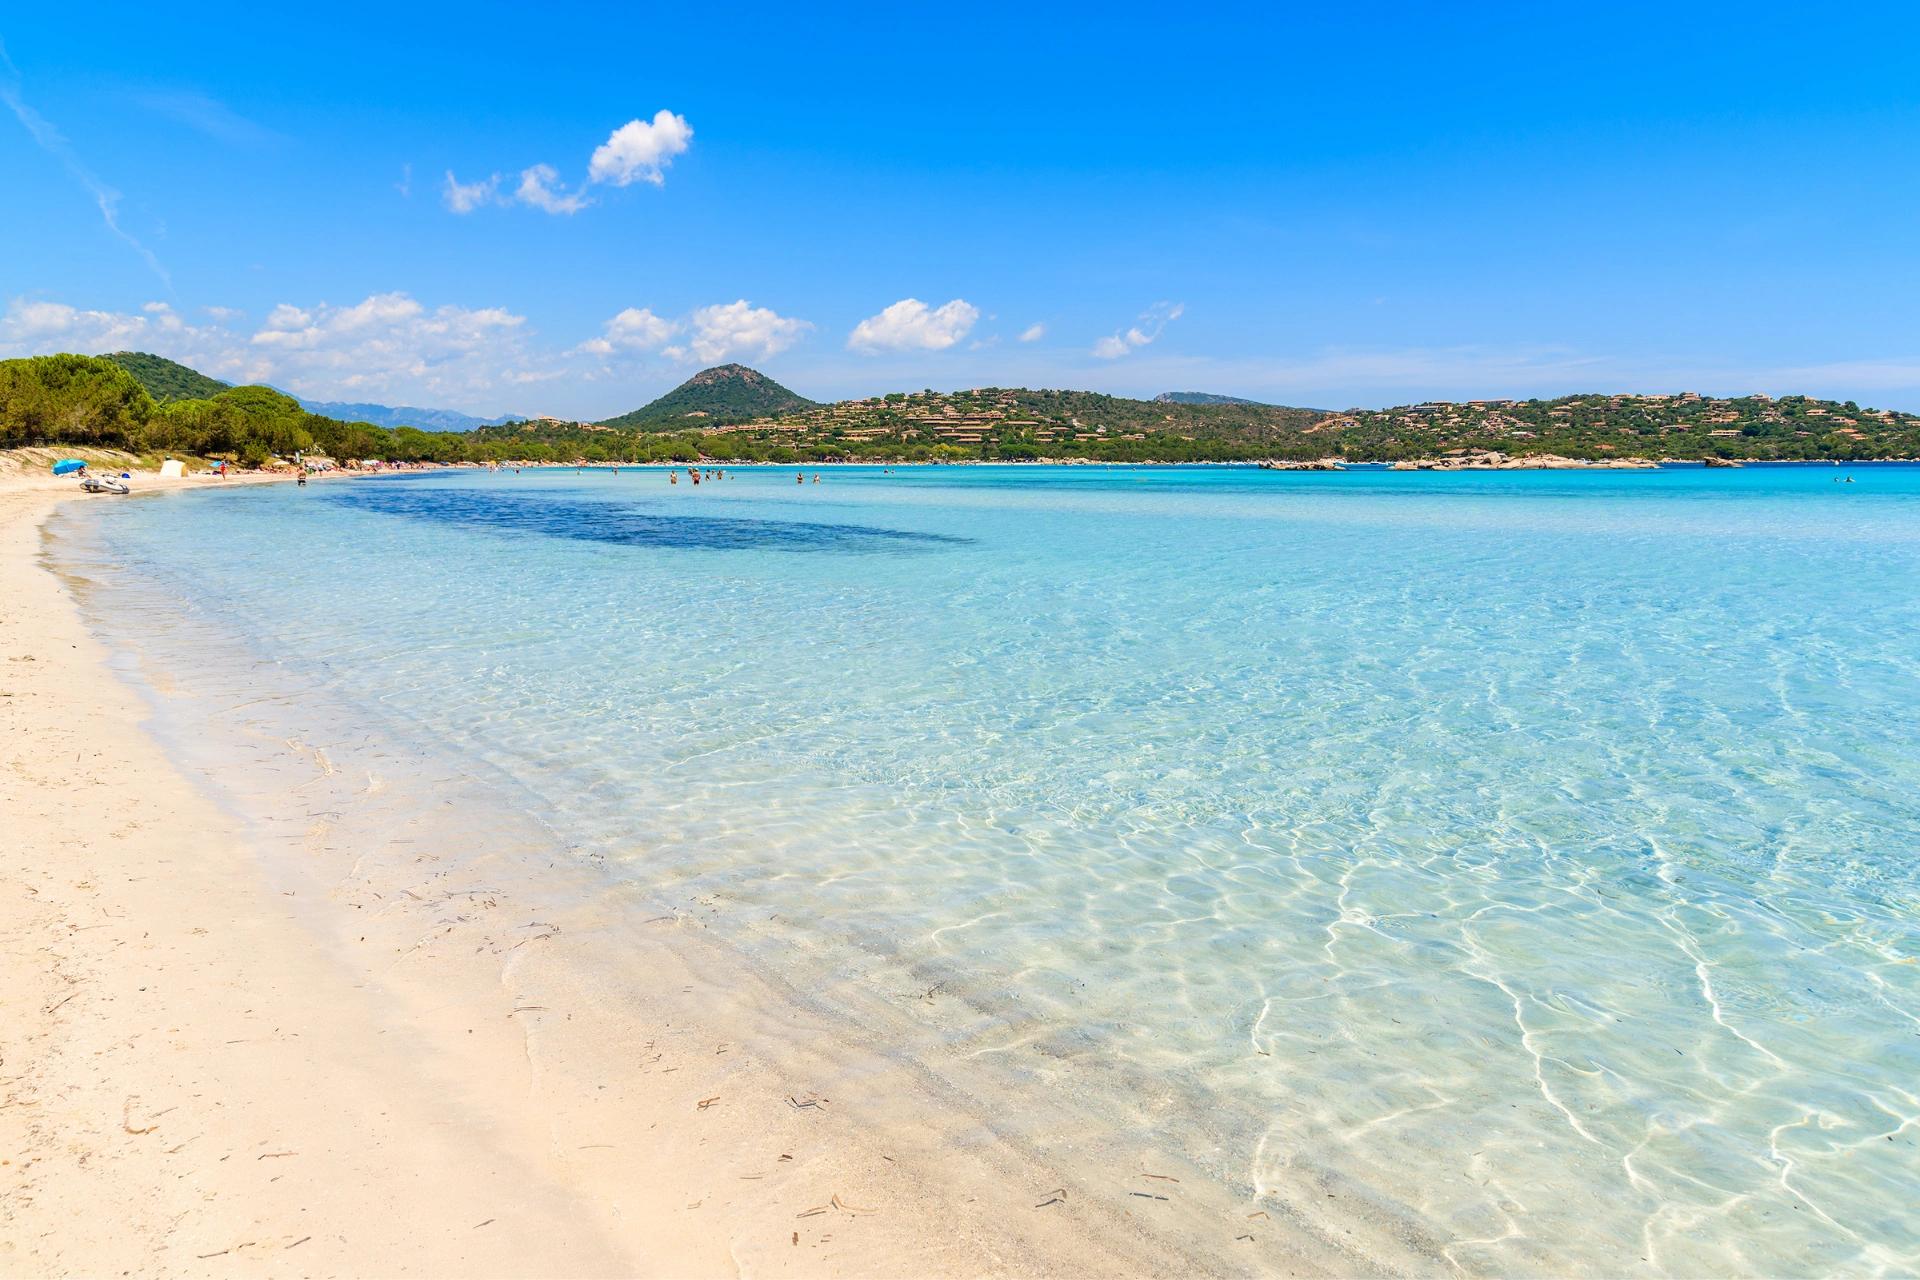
67 465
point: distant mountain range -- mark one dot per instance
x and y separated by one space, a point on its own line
725 393
1205 397
388 415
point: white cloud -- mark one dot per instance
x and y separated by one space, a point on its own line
386 347
391 346
731 329
1152 321
536 189
1033 333
911 325
465 197
639 151
31 328
635 329
723 331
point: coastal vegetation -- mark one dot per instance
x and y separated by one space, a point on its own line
103 402
148 405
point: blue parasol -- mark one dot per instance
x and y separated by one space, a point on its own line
66 465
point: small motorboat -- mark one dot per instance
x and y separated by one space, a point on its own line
103 484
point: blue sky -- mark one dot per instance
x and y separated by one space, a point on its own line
1291 203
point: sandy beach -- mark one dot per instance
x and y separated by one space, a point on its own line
222 1060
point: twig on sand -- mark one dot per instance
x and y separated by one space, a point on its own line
835 1203
476 1226
798 1105
704 1103
1056 1196
1160 1176
297 1243
275 1155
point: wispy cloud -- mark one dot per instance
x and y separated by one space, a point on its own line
55 144
1033 333
465 197
1153 321
205 114
536 188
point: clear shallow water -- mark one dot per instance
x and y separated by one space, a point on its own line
1529 856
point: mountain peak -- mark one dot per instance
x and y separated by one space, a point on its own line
724 393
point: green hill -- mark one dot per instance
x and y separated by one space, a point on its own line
734 414
713 397
166 379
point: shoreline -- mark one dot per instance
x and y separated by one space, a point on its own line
1528 462
258 1052
175 1047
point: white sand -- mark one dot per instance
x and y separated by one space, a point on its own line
216 1063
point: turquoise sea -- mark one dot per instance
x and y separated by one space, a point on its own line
1531 857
